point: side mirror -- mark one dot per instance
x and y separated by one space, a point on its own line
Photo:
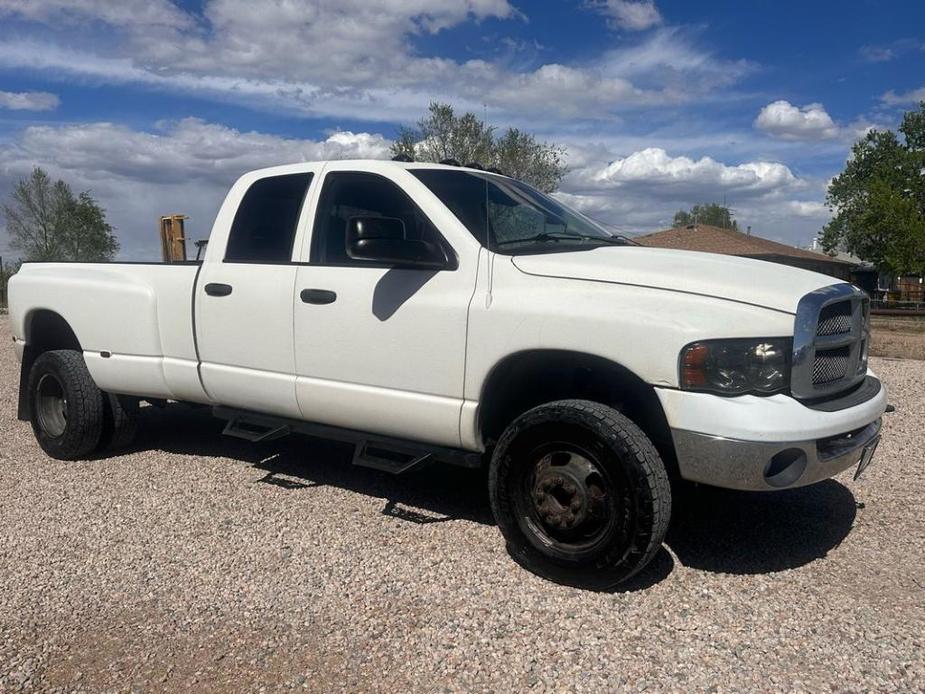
383 240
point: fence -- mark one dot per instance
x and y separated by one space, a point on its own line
898 308
2 299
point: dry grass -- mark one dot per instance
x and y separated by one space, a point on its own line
898 337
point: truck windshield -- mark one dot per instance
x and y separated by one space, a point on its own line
508 216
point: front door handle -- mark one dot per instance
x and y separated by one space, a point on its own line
318 296
218 289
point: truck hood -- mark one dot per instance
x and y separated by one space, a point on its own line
744 280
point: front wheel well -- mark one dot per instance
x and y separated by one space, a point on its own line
527 379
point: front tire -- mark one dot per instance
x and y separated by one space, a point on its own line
66 407
578 489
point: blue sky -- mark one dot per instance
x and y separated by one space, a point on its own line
157 106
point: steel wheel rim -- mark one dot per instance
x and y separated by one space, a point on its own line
51 405
567 501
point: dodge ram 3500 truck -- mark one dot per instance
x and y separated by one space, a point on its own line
429 312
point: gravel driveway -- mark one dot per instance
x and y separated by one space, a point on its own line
202 563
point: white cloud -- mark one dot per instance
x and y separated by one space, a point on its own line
877 54
671 59
891 51
355 59
666 176
858 129
187 150
338 42
137 14
634 15
809 208
29 101
341 42
565 90
641 191
784 120
913 96
186 166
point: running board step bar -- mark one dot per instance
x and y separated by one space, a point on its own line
384 453
254 432
376 456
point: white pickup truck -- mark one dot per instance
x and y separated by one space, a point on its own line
430 312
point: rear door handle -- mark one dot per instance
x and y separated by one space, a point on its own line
218 289
318 296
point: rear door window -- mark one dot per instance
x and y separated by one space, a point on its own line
265 224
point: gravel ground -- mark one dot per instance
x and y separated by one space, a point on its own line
201 563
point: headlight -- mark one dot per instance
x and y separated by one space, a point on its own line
737 366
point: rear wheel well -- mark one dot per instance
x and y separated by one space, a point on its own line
527 379
45 330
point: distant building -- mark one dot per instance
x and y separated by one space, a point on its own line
903 288
710 239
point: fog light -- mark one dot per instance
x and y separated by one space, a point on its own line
785 468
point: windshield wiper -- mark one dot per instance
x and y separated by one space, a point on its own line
613 240
543 237
546 236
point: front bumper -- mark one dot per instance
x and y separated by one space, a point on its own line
766 466
770 443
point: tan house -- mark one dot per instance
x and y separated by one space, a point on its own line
710 239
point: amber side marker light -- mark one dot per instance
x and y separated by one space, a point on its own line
693 368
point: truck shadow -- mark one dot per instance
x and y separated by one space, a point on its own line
725 531
434 494
712 530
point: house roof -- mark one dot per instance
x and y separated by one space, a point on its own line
710 239
846 257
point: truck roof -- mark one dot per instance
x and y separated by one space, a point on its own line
295 167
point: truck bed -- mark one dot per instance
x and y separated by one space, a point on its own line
135 321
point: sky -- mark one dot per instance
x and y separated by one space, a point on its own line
157 106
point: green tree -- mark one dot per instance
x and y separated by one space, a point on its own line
878 201
442 134
711 213
46 221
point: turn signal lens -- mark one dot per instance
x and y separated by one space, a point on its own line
693 365
737 366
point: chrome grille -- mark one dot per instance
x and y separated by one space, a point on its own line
835 319
829 338
830 365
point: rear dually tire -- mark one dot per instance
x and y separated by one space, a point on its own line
120 422
66 407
